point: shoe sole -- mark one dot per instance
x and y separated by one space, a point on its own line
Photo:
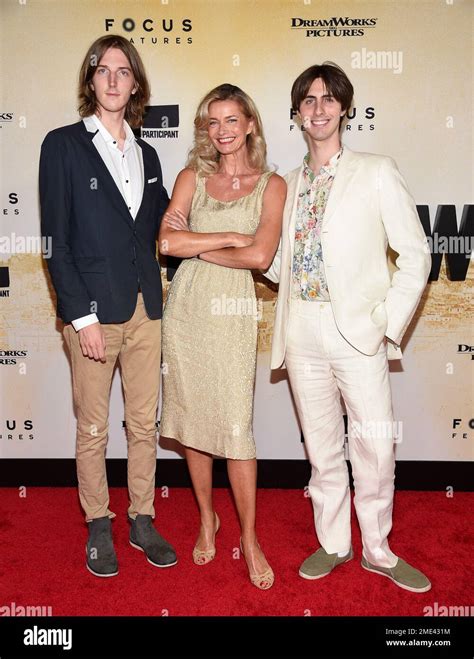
320 576
400 585
98 574
150 561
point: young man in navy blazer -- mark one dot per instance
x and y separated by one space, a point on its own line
102 200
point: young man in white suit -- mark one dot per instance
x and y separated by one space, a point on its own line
340 316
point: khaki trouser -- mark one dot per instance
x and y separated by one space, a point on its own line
137 345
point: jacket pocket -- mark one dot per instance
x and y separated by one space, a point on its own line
378 315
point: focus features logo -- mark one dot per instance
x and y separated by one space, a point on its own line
150 30
358 119
12 208
19 430
461 428
340 26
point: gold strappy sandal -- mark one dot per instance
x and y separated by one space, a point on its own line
201 557
263 581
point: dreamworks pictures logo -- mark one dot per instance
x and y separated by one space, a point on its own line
337 26
10 357
5 118
466 349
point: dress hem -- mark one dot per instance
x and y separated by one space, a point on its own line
199 448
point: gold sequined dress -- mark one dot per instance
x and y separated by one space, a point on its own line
209 337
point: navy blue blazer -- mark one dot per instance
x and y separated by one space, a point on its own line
100 255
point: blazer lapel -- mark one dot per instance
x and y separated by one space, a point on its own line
109 185
293 192
147 169
345 170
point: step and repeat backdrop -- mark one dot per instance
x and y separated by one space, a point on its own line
410 62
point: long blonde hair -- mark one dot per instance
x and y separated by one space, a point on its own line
204 157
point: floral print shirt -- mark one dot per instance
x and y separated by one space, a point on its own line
308 276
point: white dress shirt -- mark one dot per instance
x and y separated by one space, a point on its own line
125 167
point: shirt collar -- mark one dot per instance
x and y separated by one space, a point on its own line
94 120
329 168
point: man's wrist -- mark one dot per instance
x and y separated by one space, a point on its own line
84 321
397 345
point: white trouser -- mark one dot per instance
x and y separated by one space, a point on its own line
322 365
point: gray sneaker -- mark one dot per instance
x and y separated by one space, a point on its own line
403 574
101 557
145 537
321 563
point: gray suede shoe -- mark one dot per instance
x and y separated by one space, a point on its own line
321 563
403 574
145 537
101 557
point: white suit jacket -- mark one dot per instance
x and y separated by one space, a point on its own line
369 208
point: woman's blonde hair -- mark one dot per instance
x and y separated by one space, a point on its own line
87 100
204 157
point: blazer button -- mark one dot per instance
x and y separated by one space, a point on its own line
134 261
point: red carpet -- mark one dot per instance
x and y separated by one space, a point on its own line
42 556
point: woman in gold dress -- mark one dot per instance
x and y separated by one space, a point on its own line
224 220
